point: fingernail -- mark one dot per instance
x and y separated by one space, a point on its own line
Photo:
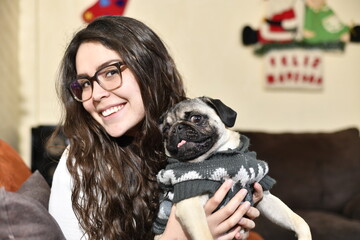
244 191
229 182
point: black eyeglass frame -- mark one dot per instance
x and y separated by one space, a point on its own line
118 65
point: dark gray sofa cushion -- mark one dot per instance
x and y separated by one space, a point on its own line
24 214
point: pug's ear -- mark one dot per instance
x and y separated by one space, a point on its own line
226 114
161 121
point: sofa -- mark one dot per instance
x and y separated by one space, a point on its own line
318 176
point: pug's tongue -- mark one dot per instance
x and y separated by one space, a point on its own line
181 143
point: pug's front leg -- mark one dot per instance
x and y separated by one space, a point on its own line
192 217
279 213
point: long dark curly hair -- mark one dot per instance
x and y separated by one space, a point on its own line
115 193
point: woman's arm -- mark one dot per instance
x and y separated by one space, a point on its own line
228 222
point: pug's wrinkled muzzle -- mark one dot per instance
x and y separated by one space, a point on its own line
186 143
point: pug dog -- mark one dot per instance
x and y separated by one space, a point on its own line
202 153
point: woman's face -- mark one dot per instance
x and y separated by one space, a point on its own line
119 111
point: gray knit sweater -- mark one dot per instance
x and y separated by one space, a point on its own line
181 180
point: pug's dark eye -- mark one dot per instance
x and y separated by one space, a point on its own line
196 118
165 128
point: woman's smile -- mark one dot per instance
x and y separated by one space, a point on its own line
112 110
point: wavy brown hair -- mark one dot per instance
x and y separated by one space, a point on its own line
115 193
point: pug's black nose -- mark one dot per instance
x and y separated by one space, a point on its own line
178 128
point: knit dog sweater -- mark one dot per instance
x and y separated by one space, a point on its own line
182 180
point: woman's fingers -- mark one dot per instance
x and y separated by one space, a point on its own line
236 232
236 215
247 223
219 195
231 234
253 213
233 223
242 235
233 205
258 193
236 218
230 215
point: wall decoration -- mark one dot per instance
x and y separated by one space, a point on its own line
292 38
294 68
104 7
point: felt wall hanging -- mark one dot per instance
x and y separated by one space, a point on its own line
298 31
294 68
104 7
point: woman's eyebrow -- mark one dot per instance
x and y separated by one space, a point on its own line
84 75
107 63
78 76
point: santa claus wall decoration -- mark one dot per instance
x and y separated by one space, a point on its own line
104 7
292 39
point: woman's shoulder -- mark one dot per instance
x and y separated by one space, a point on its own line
61 171
60 205
61 177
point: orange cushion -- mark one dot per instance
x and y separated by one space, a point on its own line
13 170
254 236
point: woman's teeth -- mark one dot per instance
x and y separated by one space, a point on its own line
111 110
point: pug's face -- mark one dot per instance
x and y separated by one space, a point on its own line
193 130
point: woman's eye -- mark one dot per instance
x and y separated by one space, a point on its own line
111 73
84 83
196 118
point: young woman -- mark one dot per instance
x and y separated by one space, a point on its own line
116 80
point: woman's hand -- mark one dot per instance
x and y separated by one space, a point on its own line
226 223
229 222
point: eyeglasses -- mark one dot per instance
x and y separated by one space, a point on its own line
108 77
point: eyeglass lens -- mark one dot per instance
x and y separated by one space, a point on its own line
109 78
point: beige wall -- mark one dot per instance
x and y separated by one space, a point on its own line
10 100
204 38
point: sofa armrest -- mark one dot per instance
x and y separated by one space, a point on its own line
352 208
13 170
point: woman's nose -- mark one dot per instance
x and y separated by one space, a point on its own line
99 92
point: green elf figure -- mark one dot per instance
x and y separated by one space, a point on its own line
321 25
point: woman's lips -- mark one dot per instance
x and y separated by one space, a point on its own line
112 110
